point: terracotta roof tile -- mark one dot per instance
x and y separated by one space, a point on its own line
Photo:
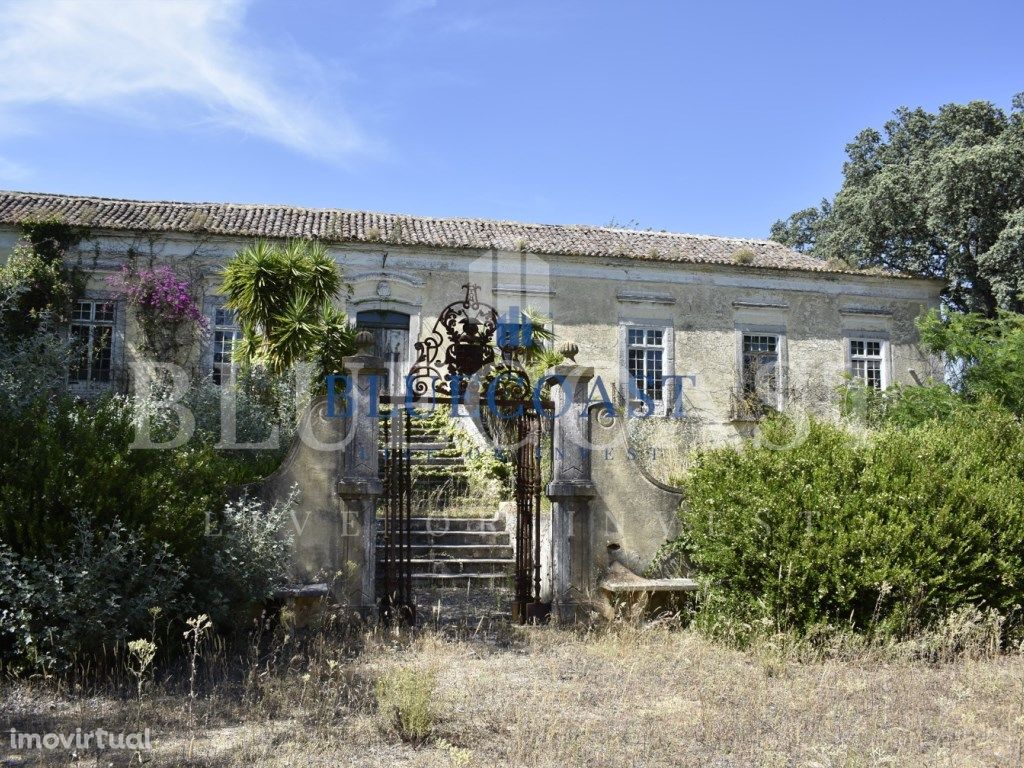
332 225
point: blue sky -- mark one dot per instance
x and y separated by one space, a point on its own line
713 118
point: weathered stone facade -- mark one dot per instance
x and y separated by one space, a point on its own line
702 307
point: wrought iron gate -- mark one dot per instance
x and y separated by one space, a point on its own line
460 345
396 600
528 482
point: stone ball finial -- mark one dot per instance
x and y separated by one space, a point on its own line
364 340
569 350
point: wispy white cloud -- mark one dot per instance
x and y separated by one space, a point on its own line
189 56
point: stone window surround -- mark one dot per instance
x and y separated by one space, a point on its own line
763 329
414 311
366 296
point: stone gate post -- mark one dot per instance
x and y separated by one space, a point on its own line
359 483
570 490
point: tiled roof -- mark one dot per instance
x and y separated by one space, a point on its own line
333 225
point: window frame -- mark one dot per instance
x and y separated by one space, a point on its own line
211 365
884 351
116 326
668 362
778 332
649 352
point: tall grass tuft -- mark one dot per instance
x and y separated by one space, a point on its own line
404 702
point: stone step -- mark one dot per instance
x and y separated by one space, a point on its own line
441 524
449 452
427 439
462 580
427 469
438 480
419 431
456 551
469 538
437 475
418 436
473 538
426 445
430 460
476 567
420 451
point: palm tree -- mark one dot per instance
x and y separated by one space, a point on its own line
283 296
540 355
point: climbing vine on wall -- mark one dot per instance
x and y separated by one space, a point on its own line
38 283
166 308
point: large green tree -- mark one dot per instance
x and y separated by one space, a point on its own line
936 195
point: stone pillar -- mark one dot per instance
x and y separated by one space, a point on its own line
570 491
359 485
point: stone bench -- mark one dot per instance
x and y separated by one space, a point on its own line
616 587
301 591
653 596
305 601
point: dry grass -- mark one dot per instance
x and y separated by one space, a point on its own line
623 695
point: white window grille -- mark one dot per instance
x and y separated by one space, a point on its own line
646 361
866 362
226 334
92 329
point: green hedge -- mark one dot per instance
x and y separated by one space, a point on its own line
889 531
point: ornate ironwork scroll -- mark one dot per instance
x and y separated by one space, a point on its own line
459 345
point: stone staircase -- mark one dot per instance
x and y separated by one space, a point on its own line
438 469
458 552
457 542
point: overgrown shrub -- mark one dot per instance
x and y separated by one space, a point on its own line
262 402
36 281
97 536
33 368
88 598
984 359
986 355
247 548
66 457
94 532
19 601
888 531
900 406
